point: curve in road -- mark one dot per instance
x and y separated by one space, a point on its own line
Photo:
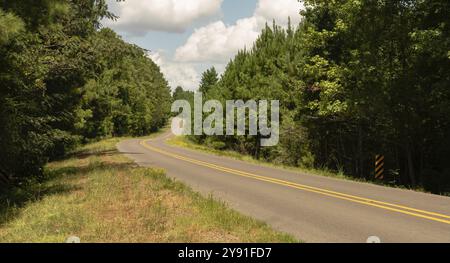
312 208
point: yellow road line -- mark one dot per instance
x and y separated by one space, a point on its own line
356 199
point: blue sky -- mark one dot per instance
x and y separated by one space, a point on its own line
186 37
232 10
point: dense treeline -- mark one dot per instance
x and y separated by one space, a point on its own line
65 80
354 79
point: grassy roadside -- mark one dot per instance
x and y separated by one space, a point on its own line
99 195
184 142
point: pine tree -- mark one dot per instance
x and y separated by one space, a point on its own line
209 80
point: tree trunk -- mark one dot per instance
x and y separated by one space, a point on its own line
360 153
258 147
4 179
409 160
398 166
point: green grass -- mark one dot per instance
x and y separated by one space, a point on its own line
185 142
99 195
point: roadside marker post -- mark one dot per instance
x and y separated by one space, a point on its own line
379 167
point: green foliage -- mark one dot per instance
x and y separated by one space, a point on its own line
180 94
63 80
209 80
10 27
355 79
129 97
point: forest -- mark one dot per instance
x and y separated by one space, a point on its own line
355 79
65 80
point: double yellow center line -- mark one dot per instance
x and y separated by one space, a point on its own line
355 199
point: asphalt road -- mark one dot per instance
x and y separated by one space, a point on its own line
312 208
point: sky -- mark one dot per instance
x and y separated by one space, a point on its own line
186 37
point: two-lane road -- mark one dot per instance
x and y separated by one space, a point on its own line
312 208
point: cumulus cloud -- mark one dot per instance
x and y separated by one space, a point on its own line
218 42
280 11
177 74
139 17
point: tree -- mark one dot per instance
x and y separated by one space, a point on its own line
355 79
181 94
64 80
209 80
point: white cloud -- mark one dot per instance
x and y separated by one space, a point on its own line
177 74
139 17
218 42
280 11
